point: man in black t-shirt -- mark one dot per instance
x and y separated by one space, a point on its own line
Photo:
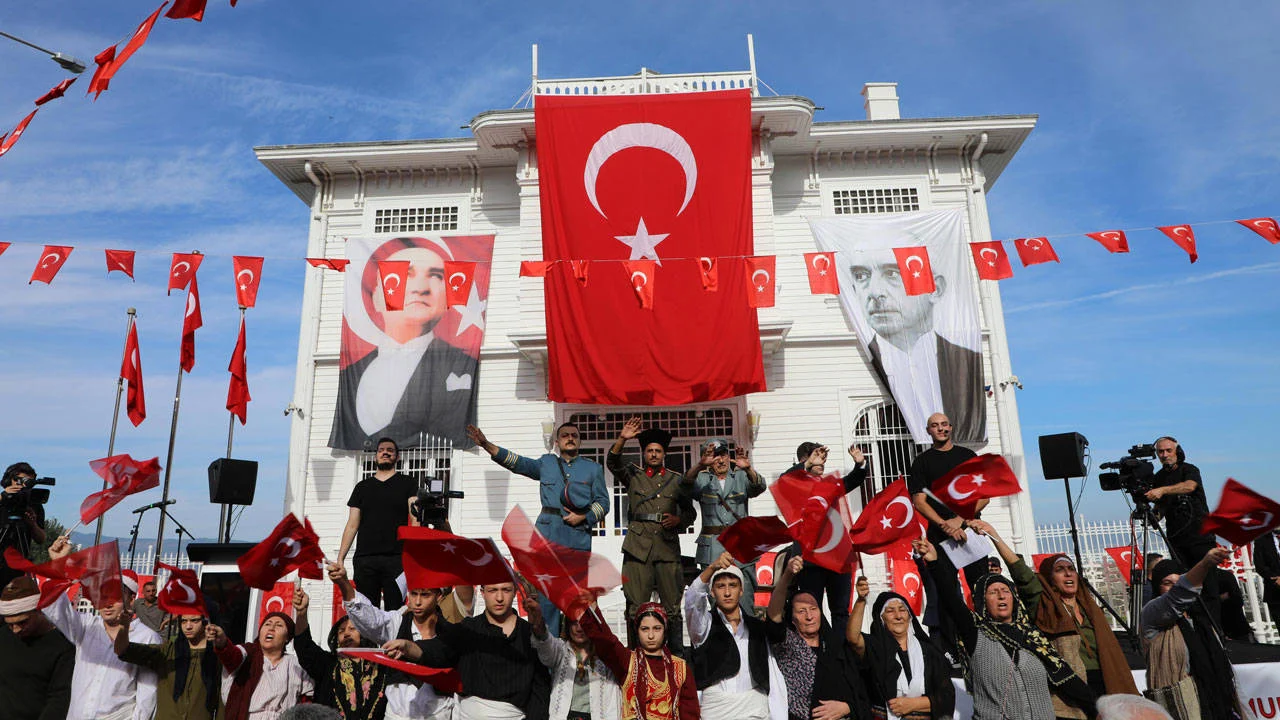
379 506
1178 494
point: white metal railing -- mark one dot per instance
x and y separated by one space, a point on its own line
648 81
144 561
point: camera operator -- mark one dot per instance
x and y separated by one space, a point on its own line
1178 494
21 519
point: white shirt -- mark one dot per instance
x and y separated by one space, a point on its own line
403 699
385 380
278 690
103 685
698 611
913 380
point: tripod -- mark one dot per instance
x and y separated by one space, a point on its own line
1143 515
1075 545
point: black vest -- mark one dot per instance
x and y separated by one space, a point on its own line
717 659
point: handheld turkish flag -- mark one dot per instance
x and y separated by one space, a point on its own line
248 275
906 575
750 537
1033 251
444 680
817 514
759 274
7 143
292 545
120 261
392 274
181 595
647 177
124 476
339 264
191 321
985 476
56 91
709 269
51 260
917 272
102 75
887 520
534 268
1264 226
131 373
435 559
1122 556
110 62
278 599
641 274
1113 240
822 274
97 569
193 9
238 390
562 574
1184 237
459 276
1242 515
991 260
182 268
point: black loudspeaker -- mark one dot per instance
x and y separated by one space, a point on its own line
1062 455
232 482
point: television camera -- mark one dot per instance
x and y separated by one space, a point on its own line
431 507
1132 473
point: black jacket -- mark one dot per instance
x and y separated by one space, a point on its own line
1266 562
963 392
717 659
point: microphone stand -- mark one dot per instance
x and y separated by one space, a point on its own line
133 538
180 532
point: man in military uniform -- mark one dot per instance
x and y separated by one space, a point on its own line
658 511
722 484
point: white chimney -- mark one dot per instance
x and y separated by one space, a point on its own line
881 100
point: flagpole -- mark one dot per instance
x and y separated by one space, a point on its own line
168 463
115 417
224 515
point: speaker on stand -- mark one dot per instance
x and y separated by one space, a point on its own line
232 482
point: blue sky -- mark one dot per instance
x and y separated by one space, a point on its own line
1150 113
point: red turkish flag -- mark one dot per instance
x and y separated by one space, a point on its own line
181 595
391 276
1184 237
750 537
580 269
193 9
56 91
110 62
238 390
336 610
248 275
965 590
886 521
7 143
131 373
641 274
459 276
278 599
822 274
51 260
191 321
444 680
182 268
917 272
292 545
435 559
97 569
124 476
560 573
991 260
534 268
1113 240
120 261
4 246
1242 515
760 278
817 514
985 476
1264 226
1033 251
709 269
906 575
647 177
1121 556
102 75
339 264
1038 557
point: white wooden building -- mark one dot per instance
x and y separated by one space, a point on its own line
822 387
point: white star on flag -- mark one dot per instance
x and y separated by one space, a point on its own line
543 579
977 480
763 547
643 245
471 314
885 523
449 547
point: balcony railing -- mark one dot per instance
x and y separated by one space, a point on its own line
649 81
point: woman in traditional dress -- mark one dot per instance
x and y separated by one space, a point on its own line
656 685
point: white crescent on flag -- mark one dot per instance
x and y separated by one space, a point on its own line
646 135
760 286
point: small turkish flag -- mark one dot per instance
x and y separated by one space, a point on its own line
1242 515
640 273
102 75
760 280
292 545
751 537
906 575
4 246
109 62
985 476
51 260
131 373
1113 240
124 476
191 321
339 264
917 272
7 143
1033 251
248 275
182 268
580 268
97 569
816 512
709 269
560 573
238 390
1183 236
1037 558
435 559
1122 555
278 599
534 268
392 274
991 260
822 274
446 681
459 276
887 520
193 9
56 91
120 261
964 589
1264 226
181 595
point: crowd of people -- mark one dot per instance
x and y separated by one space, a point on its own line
1031 645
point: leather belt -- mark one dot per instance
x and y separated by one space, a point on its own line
646 517
714 529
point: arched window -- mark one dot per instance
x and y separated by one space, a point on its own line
882 434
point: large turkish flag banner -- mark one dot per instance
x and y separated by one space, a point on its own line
658 177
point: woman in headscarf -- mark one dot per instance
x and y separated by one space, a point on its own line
910 677
1009 666
1065 612
582 687
249 697
357 688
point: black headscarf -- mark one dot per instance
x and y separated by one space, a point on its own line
1210 665
886 664
210 672
1016 634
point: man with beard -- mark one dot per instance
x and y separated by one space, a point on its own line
378 507
147 609
190 677
356 687
722 485
36 661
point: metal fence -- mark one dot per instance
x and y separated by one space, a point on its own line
145 561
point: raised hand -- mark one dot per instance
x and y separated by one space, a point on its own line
402 650
741 459
863 588
337 573
708 456
795 565
215 635
925 549
301 602
631 428
855 452
60 547
477 436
